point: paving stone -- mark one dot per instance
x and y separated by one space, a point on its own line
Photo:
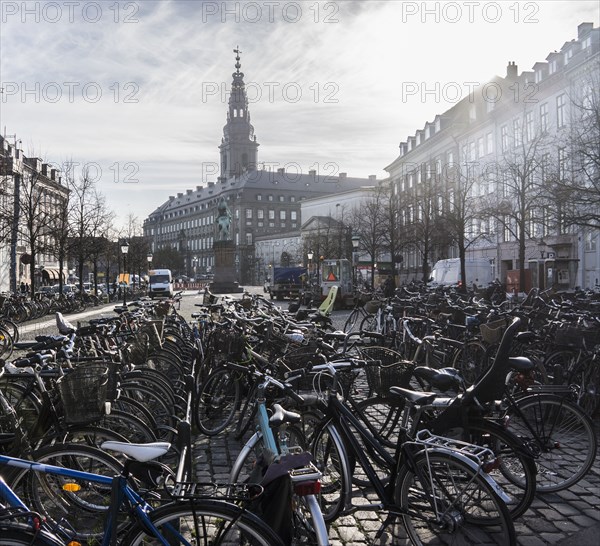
530 540
552 538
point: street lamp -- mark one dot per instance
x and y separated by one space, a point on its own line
149 259
309 255
355 244
124 251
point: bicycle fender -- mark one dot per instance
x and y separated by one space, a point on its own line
471 463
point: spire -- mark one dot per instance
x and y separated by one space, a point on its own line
239 146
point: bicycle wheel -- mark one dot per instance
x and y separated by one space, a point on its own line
21 535
217 402
470 361
516 471
202 522
353 320
330 457
6 343
247 414
79 508
560 433
445 501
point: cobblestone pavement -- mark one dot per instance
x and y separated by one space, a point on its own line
566 518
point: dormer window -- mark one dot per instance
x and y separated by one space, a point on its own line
568 55
553 67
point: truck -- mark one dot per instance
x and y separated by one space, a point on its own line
287 282
160 283
447 272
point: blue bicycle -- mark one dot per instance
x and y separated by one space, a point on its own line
162 514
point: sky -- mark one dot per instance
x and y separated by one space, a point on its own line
137 91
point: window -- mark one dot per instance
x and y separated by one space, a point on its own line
260 214
529 126
552 67
271 214
259 197
410 180
560 110
282 215
292 199
562 163
281 198
544 117
472 112
248 238
504 138
590 241
450 158
248 214
586 43
293 215
269 198
480 148
517 136
489 143
538 76
568 55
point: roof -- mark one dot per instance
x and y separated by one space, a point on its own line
311 185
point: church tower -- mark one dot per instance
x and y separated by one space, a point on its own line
238 146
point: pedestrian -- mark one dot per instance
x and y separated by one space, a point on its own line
22 288
389 287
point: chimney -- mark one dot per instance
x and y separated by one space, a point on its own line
343 176
211 184
180 195
189 192
281 170
171 197
372 177
45 169
198 188
512 71
53 174
312 173
583 29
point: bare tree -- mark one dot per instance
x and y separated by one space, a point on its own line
368 224
579 183
462 218
34 218
520 191
89 217
394 235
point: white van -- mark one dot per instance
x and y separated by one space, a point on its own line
160 283
447 272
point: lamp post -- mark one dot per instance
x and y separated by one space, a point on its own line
355 243
149 259
124 251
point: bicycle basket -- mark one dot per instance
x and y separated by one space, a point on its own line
492 332
393 372
372 306
229 342
579 338
83 393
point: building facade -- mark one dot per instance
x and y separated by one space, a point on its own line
32 198
502 161
265 204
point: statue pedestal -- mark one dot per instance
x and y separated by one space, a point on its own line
225 278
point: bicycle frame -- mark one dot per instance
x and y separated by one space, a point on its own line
349 427
121 492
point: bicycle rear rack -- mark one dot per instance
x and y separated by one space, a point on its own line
476 453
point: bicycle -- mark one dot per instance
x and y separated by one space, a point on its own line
437 487
190 516
271 441
358 313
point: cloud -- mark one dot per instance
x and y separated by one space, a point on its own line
326 82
